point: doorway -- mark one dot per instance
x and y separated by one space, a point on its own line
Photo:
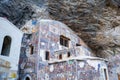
27 78
118 76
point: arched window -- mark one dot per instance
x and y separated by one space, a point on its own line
6 46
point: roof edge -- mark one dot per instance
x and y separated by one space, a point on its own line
1 18
79 59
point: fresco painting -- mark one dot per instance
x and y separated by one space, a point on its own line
44 66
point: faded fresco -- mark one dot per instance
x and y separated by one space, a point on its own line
4 69
46 37
27 62
114 67
72 70
49 34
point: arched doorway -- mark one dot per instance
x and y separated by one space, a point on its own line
27 78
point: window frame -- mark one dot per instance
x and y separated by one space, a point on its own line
64 41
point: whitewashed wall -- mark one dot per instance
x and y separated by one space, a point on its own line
8 29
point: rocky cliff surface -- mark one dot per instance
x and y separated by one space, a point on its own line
97 22
20 11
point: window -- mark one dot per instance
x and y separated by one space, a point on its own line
60 56
31 49
64 41
105 72
78 44
6 46
68 55
47 55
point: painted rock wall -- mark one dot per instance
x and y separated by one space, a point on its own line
27 62
74 70
46 37
114 68
49 38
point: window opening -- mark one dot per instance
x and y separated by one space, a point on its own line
68 54
47 55
64 41
31 49
6 46
60 56
78 44
105 72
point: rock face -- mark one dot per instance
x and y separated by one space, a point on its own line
19 11
97 22
92 20
15 11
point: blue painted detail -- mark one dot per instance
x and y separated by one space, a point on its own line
34 22
98 67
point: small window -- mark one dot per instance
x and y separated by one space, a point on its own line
6 46
47 55
68 55
64 41
60 56
31 49
78 44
